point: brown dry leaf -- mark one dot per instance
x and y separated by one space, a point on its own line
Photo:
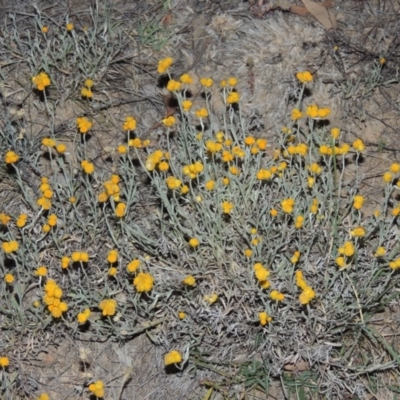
321 13
297 367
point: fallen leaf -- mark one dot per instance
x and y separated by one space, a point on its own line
320 12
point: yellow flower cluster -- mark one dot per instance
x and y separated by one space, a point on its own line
10 247
314 206
264 318
47 194
338 151
347 250
52 299
233 97
80 256
173 85
108 307
111 189
120 210
193 170
395 264
277 296
11 157
112 256
189 280
87 166
143 282
157 159
9 278
41 271
358 145
313 111
358 201
262 275
295 258
173 357
304 77
287 205
358 232
41 81
97 388
4 219
164 64
65 262
87 89
227 207
206 82
83 316
390 175
202 113
133 266
299 149
129 124
211 298
84 125
307 293
186 78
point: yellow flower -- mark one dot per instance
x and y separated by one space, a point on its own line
164 64
207 82
340 261
186 78
133 266
233 97
89 83
84 124
69 26
108 307
11 157
41 81
45 29
335 133
122 149
169 121
9 278
202 113
61 148
227 156
219 136
112 271
395 264
173 357
184 189
380 252
358 145
323 112
87 166
296 114
173 183
307 295
181 315
359 232
112 256
299 221
186 105
86 92
273 212
97 388
44 203
52 220
358 201
163 166
264 318
4 362
120 210
225 181
312 111
382 60
129 124
189 280
4 219
210 185
83 316
137 143
314 206
194 242
41 271
65 261
211 298
347 249
248 252
143 282
287 205
48 142
261 272
388 177
277 296
227 207
249 140
10 247
173 85
304 77
315 168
